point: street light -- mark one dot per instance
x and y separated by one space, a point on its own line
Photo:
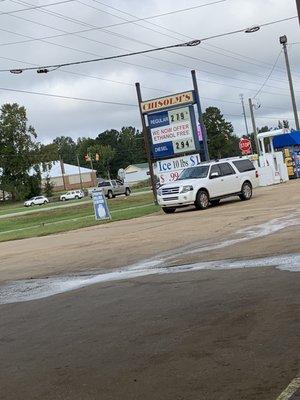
283 41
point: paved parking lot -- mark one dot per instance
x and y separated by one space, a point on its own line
226 326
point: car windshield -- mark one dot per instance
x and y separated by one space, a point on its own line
194 172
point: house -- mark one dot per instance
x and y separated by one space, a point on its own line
67 177
135 173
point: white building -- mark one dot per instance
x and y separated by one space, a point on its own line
67 177
136 173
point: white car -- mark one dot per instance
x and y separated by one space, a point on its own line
208 183
72 195
38 200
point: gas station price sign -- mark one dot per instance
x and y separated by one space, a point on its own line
172 132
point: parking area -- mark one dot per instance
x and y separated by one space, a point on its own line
197 304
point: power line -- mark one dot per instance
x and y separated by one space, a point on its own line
154 58
126 37
269 75
126 21
242 59
68 97
126 83
36 7
195 42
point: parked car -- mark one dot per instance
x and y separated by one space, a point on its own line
112 188
72 195
208 183
38 200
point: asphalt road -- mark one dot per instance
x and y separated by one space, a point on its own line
206 335
231 334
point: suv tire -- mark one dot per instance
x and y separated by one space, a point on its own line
169 210
127 192
110 194
64 199
76 197
202 200
246 192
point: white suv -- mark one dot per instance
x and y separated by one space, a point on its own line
71 195
208 183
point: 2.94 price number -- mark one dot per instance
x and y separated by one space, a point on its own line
184 145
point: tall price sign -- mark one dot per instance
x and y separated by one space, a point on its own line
171 131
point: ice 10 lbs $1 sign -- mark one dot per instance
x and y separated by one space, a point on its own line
170 170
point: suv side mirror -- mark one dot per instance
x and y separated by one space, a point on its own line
214 175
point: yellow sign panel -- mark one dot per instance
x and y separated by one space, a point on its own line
168 101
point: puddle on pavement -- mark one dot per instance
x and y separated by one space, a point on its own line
33 289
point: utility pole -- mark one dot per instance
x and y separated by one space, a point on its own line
254 127
244 113
79 170
298 8
63 172
283 41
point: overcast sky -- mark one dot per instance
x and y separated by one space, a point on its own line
244 60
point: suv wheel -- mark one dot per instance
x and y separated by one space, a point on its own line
45 202
246 192
63 199
127 192
202 200
168 210
110 194
76 197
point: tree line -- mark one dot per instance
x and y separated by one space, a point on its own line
23 158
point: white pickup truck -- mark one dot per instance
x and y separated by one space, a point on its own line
111 188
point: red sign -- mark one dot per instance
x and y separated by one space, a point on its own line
245 146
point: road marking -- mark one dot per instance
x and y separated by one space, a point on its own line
290 390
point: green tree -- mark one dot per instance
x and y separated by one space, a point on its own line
19 153
83 144
106 156
48 187
128 145
221 140
284 124
66 149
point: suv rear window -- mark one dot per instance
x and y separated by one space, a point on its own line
226 169
102 184
244 165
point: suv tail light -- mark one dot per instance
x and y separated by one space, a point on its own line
256 174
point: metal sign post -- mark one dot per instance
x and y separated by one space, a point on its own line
201 122
171 133
146 141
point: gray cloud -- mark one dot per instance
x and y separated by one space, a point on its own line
239 74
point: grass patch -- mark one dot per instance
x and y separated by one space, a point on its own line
69 218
